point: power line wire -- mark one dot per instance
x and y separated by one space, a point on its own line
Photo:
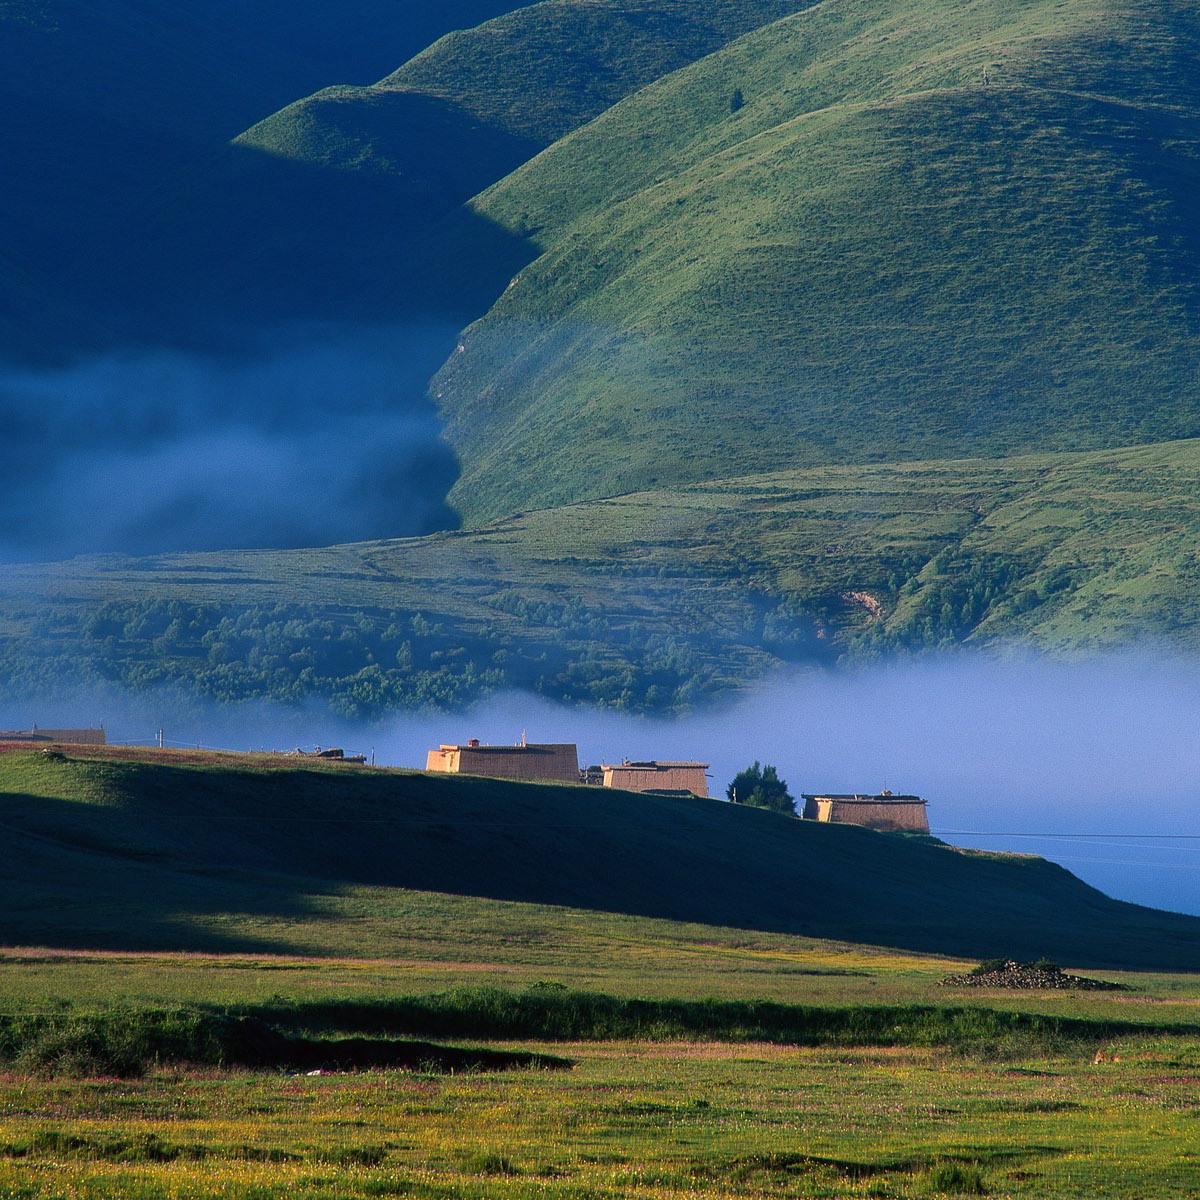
1071 837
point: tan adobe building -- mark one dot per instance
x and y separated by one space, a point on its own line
528 761
885 812
66 737
682 778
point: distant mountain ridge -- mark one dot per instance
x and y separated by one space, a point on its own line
114 109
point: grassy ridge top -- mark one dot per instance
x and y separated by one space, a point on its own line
362 184
160 846
544 70
528 77
650 601
927 231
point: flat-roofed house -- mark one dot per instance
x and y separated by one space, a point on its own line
680 778
885 812
65 737
529 761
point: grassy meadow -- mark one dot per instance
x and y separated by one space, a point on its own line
675 1058
652 1117
631 1119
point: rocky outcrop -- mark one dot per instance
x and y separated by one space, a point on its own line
1029 976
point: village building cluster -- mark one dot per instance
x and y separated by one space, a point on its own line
558 762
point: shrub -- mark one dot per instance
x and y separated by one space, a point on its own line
760 787
489 1163
353 1156
122 1042
957 1179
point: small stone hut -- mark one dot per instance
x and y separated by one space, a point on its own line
680 778
885 812
528 761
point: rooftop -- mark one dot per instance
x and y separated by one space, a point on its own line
654 765
863 798
519 748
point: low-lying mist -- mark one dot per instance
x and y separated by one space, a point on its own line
1102 754
309 436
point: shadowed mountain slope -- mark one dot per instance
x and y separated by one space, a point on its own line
158 847
110 107
861 233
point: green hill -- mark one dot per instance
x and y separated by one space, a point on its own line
126 853
928 230
652 602
351 195
145 219
528 77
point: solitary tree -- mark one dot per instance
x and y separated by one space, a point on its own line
737 100
761 787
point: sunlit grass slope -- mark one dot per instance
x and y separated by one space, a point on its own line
361 184
930 229
527 77
652 601
123 853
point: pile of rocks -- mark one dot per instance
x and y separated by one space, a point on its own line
1012 974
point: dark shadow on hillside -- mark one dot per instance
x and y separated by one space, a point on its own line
223 250
69 885
260 374
111 113
200 843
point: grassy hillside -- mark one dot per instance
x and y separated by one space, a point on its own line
140 225
155 854
528 77
350 195
655 601
927 230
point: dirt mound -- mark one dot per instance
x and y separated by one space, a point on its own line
1029 976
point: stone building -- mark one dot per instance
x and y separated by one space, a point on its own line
527 761
885 812
680 778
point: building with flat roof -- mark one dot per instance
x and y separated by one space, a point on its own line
680 778
529 761
884 812
66 737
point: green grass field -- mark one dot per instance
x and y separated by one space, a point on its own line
632 1119
863 1076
